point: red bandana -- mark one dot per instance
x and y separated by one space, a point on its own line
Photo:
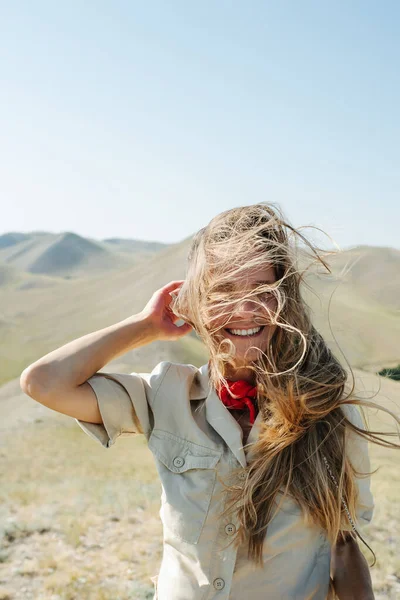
245 391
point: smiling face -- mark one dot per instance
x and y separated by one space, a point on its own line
248 325
239 289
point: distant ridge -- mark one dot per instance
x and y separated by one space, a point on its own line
68 254
40 312
9 239
127 245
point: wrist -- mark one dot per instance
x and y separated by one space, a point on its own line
142 329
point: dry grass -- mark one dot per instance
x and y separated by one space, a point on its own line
79 521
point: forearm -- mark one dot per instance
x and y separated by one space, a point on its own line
72 364
350 572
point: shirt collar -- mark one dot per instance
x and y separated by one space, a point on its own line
220 417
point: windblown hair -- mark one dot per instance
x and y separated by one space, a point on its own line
301 386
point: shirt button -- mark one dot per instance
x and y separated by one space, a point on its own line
178 461
230 529
242 475
219 583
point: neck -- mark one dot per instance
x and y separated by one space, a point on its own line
235 374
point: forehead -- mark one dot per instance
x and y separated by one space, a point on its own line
261 274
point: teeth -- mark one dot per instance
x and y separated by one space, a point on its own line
245 331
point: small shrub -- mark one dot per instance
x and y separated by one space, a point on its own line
393 373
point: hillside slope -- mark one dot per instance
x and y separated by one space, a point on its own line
373 271
35 321
70 255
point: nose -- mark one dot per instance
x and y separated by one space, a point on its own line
244 311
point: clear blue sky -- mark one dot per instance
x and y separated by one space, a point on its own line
145 119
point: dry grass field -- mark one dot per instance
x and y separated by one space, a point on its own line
81 522
77 521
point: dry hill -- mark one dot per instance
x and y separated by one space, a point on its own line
70 255
35 321
362 318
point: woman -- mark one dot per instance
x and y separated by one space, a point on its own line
261 452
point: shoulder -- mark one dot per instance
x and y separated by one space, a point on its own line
356 443
170 375
353 414
357 452
173 369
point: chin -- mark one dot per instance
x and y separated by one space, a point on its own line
241 359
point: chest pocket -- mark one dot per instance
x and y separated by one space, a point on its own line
187 473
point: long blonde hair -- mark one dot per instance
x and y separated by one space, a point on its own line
301 385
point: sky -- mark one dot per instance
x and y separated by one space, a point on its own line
144 120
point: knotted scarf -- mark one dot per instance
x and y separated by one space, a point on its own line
245 391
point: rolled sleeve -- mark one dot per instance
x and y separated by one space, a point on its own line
125 403
357 452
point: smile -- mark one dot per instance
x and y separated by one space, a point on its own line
248 333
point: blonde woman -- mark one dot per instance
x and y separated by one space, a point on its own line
261 452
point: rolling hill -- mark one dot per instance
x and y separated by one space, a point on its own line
357 307
375 272
362 319
70 255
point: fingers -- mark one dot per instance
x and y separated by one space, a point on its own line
173 285
174 293
185 328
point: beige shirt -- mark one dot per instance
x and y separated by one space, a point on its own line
195 441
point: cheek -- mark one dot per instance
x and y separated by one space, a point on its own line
272 303
270 308
215 317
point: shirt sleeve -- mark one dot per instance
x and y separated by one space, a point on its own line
357 452
125 403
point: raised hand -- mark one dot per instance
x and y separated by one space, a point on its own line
160 316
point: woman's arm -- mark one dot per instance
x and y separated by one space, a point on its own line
349 570
71 365
58 380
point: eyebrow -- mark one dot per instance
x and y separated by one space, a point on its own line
229 284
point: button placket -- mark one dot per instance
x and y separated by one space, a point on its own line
225 563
